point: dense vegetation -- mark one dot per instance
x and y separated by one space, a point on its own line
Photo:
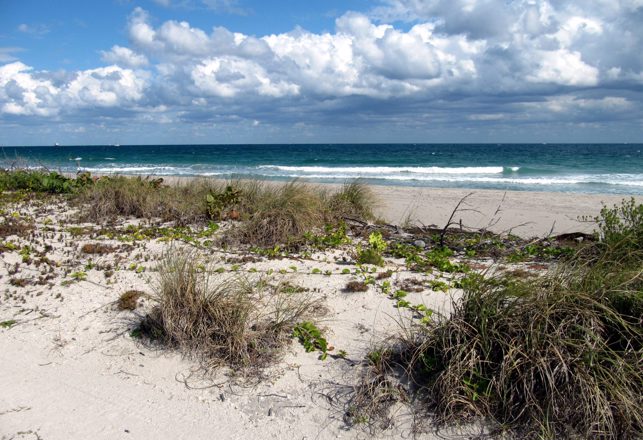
271 214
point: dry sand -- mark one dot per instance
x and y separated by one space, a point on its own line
71 370
526 214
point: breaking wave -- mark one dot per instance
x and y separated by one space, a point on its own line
364 170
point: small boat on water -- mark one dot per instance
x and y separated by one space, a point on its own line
56 144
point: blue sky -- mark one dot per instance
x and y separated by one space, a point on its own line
242 71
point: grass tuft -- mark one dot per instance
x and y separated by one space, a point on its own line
354 199
282 215
236 322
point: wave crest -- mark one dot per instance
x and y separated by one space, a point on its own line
364 170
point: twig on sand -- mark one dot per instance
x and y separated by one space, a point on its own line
182 378
450 222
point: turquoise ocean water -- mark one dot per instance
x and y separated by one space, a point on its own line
586 168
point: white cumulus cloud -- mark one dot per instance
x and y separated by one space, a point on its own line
124 56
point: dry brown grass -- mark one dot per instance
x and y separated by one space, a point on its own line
97 248
236 322
129 300
356 286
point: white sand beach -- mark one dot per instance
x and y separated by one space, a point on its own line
71 370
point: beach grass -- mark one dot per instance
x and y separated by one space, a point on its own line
236 322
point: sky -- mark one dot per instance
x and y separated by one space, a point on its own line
320 71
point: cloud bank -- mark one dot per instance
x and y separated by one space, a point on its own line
415 64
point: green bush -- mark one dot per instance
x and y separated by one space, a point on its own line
42 181
620 229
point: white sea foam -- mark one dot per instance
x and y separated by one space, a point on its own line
380 170
494 176
590 179
132 169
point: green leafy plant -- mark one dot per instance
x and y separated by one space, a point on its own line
311 338
334 236
216 203
79 276
399 294
437 285
373 253
8 324
25 253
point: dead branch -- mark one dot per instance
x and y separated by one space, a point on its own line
450 222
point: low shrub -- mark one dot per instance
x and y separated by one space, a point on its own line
42 181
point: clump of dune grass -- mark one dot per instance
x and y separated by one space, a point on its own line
146 198
237 322
354 199
560 356
283 214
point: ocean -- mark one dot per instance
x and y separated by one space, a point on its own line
583 168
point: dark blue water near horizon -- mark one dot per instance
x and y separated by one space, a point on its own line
589 168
